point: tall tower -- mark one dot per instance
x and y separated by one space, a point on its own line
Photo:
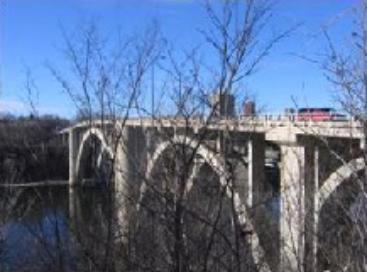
223 104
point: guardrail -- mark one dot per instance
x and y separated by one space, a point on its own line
258 122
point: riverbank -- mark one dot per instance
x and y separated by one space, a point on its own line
46 183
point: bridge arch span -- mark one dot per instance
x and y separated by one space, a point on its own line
218 165
342 174
329 216
92 132
212 159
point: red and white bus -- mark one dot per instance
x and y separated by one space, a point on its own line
319 115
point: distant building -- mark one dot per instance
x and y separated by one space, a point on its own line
223 104
289 111
249 108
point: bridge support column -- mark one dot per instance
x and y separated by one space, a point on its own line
256 170
73 153
254 196
311 205
292 208
129 173
298 171
122 175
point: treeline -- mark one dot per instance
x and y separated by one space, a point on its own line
31 149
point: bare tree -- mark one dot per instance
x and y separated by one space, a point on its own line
187 218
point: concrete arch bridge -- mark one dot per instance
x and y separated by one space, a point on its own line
134 152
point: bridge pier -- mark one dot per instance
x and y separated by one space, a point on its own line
311 206
73 153
292 207
256 171
255 200
129 172
298 184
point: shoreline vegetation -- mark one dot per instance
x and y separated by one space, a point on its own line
31 151
45 183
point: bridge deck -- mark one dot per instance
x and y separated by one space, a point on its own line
275 128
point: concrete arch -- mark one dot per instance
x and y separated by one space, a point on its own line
89 133
342 174
212 159
337 178
218 165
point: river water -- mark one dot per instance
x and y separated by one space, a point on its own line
58 229
38 226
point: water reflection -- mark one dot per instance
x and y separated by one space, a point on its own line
63 229
40 231
33 228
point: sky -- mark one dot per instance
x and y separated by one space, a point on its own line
30 37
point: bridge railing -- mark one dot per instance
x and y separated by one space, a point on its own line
257 123
294 119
